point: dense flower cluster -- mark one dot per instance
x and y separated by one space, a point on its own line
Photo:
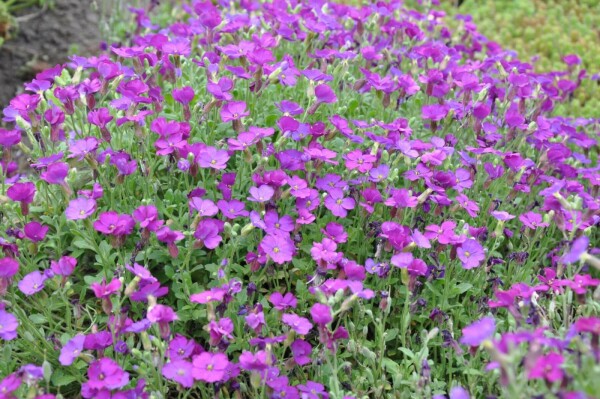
298 199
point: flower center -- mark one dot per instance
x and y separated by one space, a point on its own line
338 201
181 372
82 212
209 367
467 254
101 377
276 250
213 162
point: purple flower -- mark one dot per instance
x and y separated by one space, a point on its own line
55 173
32 283
479 331
532 220
280 248
180 371
210 157
184 95
10 384
283 302
253 361
181 348
434 112
312 390
80 208
264 193
232 209
80 148
8 328
471 253
301 350
204 207
321 314
233 111
338 204
162 315
35 231
459 393
106 373
210 367
325 94
8 267
299 324
71 350
578 248
64 266
208 231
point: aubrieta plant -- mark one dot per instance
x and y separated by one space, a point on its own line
298 199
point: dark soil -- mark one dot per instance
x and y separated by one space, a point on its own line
43 39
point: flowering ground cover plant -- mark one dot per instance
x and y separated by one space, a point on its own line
298 200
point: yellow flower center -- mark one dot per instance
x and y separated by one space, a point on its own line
209 367
467 254
276 250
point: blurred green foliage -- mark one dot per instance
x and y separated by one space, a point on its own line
549 29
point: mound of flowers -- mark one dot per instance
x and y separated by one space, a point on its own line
298 199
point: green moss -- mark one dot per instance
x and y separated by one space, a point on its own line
548 28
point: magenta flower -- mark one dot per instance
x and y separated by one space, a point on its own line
301 350
210 367
35 231
64 266
321 314
444 233
279 248
470 253
23 193
479 331
548 367
338 204
180 371
210 157
80 208
32 283
112 223
71 350
212 295
8 327
169 237
147 216
8 267
106 373
162 315
103 290
233 111
264 193
299 324
357 160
